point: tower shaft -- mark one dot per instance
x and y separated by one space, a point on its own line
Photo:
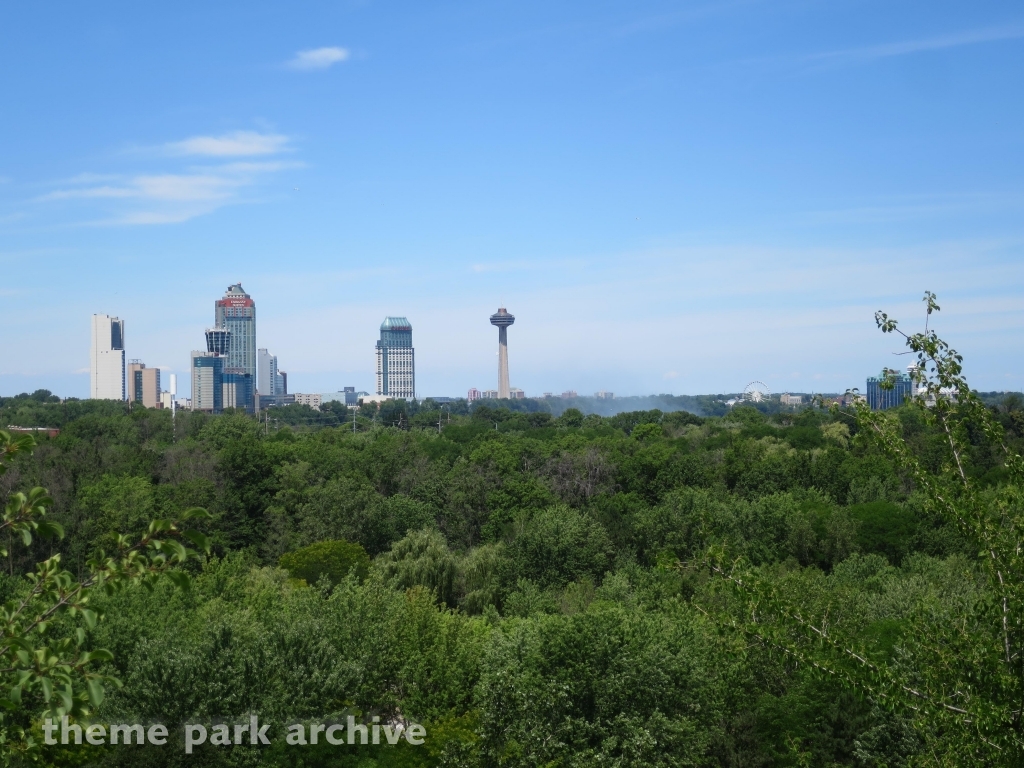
503 387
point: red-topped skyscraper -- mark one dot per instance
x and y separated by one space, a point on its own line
236 312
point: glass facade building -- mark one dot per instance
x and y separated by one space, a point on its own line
207 382
396 362
235 313
880 398
236 390
218 341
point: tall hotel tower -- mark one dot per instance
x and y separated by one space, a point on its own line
396 365
106 363
503 320
235 329
236 313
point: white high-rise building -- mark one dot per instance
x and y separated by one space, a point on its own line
106 363
269 381
396 359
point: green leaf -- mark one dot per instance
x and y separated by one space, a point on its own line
47 686
95 691
196 513
177 550
51 530
180 579
200 540
90 618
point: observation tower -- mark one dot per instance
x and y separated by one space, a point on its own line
503 320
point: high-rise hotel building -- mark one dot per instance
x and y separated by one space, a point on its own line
106 363
236 312
233 339
396 363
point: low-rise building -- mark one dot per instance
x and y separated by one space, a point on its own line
313 400
474 394
788 399
347 396
143 384
516 394
602 395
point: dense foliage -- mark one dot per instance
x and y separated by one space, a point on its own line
528 587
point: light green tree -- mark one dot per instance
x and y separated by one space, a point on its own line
957 670
47 666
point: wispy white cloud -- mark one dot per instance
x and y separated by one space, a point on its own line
916 207
234 144
169 187
90 178
903 48
868 53
88 192
317 58
156 217
178 195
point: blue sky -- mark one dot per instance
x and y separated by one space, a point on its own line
670 197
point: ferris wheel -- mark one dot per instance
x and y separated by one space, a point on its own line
756 392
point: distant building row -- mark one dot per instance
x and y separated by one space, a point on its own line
515 393
110 379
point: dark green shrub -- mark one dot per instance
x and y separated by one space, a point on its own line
333 559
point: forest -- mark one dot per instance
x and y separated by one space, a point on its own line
532 590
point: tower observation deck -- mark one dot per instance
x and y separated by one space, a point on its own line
503 320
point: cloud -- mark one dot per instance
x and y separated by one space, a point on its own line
156 217
317 58
91 178
170 187
90 192
868 53
173 197
887 50
235 144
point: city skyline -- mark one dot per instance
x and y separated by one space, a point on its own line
744 183
218 344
